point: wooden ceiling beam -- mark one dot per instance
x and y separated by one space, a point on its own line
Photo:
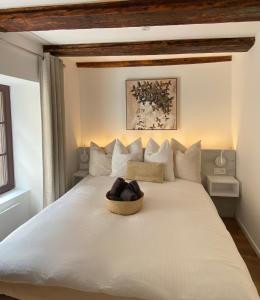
156 62
154 47
132 13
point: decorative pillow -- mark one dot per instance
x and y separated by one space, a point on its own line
161 154
153 172
100 159
187 162
121 155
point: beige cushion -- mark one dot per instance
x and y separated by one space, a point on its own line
153 172
187 162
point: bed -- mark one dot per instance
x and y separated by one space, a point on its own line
176 248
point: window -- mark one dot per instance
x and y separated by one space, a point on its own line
6 142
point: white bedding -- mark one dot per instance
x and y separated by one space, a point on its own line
176 248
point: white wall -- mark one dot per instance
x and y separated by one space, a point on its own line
204 104
16 62
245 129
72 118
27 138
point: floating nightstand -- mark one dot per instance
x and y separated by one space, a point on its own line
223 186
224 192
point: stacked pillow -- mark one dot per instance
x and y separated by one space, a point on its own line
122 154
100 159
187 162
173 159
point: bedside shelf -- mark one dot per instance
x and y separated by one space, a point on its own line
223 186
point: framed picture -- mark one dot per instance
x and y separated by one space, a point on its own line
151 104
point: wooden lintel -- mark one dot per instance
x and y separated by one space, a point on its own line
156 62
132 13
222 45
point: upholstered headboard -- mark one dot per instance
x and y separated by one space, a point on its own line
208 157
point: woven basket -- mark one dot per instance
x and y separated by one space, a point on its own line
124 207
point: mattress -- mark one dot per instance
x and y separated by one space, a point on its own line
27 291
176 248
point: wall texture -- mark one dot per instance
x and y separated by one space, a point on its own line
204 104
245 129
17 62
27 137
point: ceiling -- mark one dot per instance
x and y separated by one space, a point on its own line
149 33
107 35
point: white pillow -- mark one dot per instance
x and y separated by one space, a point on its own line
161 154
121 155
100 159
187 162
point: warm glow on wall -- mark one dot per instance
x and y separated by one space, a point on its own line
79 141
208 142
203 108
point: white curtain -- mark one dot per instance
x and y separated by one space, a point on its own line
52 105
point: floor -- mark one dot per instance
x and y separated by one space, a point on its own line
246 251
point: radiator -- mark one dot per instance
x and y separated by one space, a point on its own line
12 216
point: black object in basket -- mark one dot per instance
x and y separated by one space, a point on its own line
124 198
124 191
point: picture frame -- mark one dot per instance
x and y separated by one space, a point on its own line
151 104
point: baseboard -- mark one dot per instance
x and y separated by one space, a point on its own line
249 237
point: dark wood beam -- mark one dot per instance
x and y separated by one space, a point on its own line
130 13
156 62
154 47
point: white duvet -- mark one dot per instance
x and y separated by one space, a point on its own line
176 248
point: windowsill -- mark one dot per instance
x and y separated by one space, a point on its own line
10 195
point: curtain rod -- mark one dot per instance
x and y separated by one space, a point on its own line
21 48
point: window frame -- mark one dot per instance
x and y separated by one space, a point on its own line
5 90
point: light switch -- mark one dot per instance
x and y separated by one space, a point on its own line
219 171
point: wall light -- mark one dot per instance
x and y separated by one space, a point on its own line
220 160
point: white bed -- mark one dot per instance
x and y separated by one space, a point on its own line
176 248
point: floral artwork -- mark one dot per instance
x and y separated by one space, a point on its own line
151 104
